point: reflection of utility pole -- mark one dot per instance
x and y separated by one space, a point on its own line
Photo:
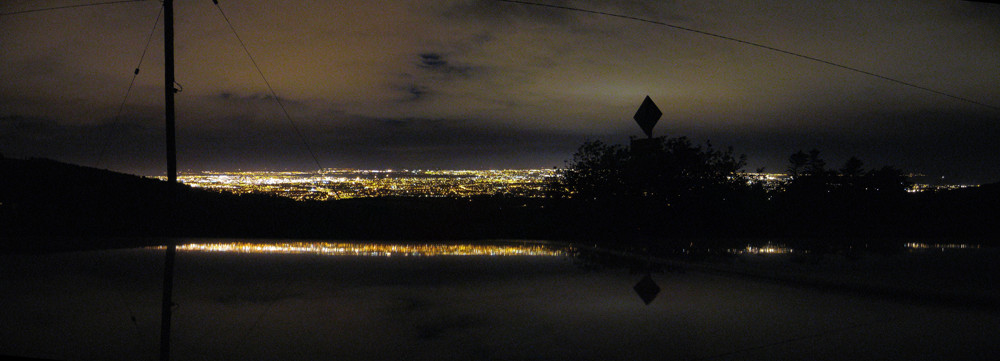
168 266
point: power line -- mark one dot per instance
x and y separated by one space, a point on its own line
750 43
135 74
69 7
104 258
271 89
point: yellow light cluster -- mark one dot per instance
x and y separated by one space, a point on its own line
348 183
376 249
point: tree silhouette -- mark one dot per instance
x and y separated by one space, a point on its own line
852 168
815 166
809 176
596 171
652 188
886 180
667 169
797 162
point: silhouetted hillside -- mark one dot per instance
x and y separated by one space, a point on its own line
44 199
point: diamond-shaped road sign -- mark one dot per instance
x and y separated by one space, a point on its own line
647 115
647 289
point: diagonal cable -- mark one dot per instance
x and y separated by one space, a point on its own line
105 258
135 74
269 88
767 47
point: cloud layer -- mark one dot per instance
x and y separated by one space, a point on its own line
483 83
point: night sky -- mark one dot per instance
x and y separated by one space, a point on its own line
487 84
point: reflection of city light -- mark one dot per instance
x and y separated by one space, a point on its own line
376 249
765 249
919 246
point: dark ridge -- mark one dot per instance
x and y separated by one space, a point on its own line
45 203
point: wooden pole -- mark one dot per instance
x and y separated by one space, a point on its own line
168 267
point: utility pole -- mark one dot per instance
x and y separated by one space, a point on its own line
168 266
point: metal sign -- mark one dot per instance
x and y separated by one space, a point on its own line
647 289
647 115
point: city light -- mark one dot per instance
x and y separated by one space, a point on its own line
336 183
378 249
354 183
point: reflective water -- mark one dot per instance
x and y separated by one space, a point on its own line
316 306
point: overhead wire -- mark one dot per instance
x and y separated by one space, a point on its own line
106 144
269 87
70 7
758 45
104 257
131 312
260 317
135 74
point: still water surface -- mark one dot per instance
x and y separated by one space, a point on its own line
509 301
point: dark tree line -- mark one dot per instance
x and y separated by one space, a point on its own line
808 174
651 189
662 169
668 191
849 201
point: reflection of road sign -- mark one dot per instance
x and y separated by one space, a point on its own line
647 289
647 115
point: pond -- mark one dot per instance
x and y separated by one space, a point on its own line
496 301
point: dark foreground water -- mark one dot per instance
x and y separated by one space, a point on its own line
308 306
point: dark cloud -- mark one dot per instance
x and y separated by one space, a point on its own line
127 144
432 60
436 63
495 12
417 92
255 101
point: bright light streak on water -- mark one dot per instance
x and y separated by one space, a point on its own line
940 246
764 249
